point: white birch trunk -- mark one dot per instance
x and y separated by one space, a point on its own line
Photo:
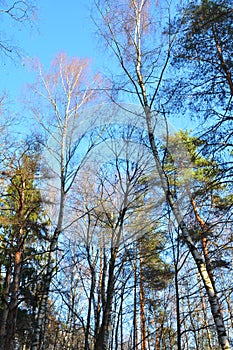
137 32
199 260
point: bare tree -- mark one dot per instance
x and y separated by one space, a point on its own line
111 190
61 96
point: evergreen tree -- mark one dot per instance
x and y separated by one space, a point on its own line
203 58
23 230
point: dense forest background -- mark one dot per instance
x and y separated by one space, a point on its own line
115 221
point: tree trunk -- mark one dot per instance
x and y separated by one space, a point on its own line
3 323
13 305
178 323
142 307
200 262
39 339
103 335
133 58
14 289
135 328
205 321
119 321
91 298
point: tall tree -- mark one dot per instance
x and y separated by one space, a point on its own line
207 201
154 275
128 29
203 49
108 193
62 95
22 225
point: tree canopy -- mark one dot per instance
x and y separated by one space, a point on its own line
115 220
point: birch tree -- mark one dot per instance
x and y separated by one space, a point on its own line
128 28
61 96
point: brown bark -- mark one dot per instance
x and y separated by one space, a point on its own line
142 307
157 340
18 263
204 241
135 328
222 60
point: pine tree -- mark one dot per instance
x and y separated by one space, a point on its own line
23 228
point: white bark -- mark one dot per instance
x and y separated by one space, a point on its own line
65 91
132 60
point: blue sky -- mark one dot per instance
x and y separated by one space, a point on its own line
63 26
